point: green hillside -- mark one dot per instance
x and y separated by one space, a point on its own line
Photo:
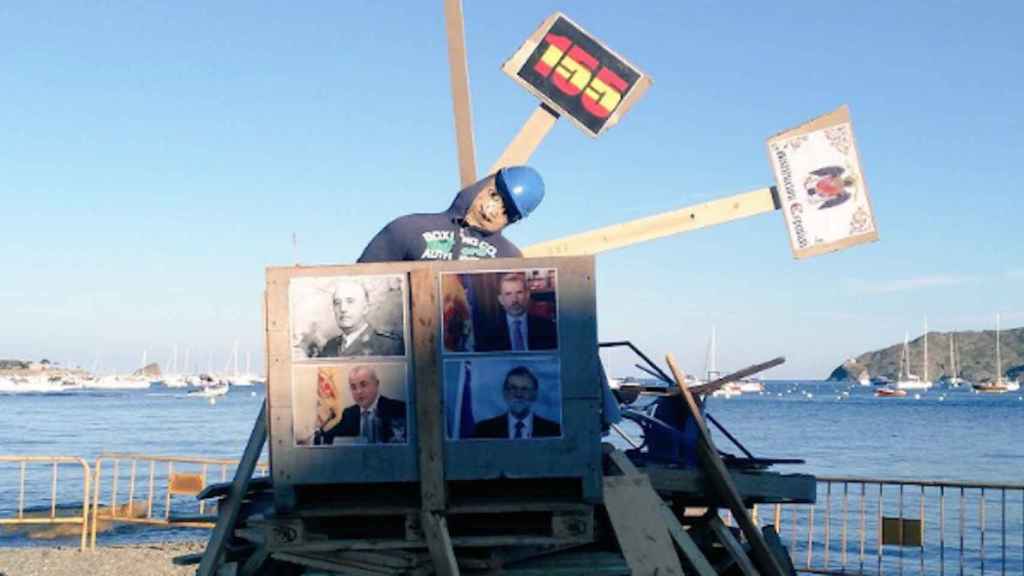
976 351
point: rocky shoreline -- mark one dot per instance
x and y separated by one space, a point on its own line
141 560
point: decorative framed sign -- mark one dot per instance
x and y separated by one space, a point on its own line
576 75
821 186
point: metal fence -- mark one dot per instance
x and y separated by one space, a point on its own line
59 511
165 494
875 526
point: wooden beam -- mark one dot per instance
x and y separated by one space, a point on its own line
658 226
635 513
528 139
721 481
429 411
439 543
229 509
455 28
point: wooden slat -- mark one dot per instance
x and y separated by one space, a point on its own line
722 482
527 140
229 508
429 411
455 28
732 546
435 531
635 513
685 543
658 226
756 487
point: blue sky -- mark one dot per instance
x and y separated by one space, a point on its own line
155 158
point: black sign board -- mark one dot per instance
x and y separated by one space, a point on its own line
576 75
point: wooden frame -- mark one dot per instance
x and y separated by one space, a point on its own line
427 457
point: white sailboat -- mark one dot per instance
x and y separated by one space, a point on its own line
953 379
907 380
712 373
1001 384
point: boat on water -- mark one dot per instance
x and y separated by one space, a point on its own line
750 386
889 392
213 391
1001 384
908 380
120 382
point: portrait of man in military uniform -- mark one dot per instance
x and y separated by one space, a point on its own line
345 317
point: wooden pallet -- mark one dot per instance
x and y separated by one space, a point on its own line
470 524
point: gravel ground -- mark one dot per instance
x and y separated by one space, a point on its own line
142 560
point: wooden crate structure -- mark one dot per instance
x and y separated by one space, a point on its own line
448 372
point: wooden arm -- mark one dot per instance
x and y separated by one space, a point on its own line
658 226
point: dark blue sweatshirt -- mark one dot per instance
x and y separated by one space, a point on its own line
440 236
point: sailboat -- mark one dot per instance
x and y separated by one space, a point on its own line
1000 385
953 379
907 380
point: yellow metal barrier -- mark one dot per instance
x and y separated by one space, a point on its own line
190 477
52 517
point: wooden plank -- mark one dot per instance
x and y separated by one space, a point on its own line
635 513
755 487
254 563
455 28
722 482
657 226
429 410
527 140
685 543
732 546
435 530
229 508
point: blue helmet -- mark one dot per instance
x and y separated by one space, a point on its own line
522 189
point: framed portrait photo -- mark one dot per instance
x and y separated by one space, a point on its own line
500 311
348 316
350 403
503 398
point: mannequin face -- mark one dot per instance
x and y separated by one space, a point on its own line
487 212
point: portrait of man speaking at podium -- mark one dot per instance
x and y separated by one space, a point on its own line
350 403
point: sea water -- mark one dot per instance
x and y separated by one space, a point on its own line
837 429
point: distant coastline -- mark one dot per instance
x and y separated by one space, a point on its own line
975 351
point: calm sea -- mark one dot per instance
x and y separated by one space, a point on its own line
836 428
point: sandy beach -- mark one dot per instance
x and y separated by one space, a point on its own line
143 560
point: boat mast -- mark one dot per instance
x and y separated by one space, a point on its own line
952 359
905 358
999 357
924 367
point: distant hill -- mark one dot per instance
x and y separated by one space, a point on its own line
976 352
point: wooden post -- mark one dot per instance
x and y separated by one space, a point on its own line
527 140
459 68
658 226
722 482
227 514
430 422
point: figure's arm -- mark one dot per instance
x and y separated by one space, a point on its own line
384 247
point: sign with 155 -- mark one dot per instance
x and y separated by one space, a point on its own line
576 75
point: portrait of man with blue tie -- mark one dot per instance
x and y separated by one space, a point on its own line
517 330
374 418
520 391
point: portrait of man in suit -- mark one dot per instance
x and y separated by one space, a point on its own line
520 390
517 329
351 304
374 418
